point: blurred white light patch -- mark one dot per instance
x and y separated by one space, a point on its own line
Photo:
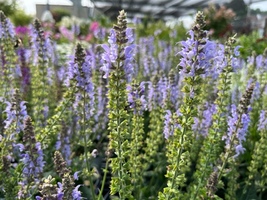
29 5
87 3
187 21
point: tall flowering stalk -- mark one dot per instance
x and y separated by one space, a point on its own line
75 81
154 162
238 123
40 81
63 143
84 107
212 146
8 55
24 71
15 113
32 158
137 105
49 190
7 62
257 166
194 64
67 189
78 103
63 109
117 67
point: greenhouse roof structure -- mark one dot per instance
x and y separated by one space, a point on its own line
155 8
158 9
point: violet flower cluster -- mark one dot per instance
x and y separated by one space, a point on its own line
32 159
79 69
205 56
110 55
16 111
157 92
169 123
40 44
238 122
63 143
203 123
23 68
136 97
66 188
191 56
80 75
7 29
262 125
146 49
235 128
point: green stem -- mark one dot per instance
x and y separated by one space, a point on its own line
40 99
119 121
137 117
85 146
103 181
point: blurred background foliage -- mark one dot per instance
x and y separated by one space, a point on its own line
8 8
16 14
222 22
219 20
161 30
252 42
58 14
20 18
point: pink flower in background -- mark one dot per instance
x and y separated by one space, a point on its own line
22 30
88 37
48 33
66 33
94 26
57 36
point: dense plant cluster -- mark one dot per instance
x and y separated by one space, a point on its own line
130 116
252 44
219 20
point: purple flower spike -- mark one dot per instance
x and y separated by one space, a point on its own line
168 128
110 55
236 51
262 125
76 194
232 120
60 193
237 129
129 57
11 29
75 175
202 125
130 35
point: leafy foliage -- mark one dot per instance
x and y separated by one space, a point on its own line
251 43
